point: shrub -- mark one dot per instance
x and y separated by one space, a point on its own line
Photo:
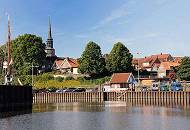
44 77
60 79
69 78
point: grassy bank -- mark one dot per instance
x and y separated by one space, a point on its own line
48 81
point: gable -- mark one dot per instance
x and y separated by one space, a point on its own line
122 78
65 64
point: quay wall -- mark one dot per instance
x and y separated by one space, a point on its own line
157 97
15 99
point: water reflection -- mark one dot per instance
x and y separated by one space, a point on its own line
100 116
74 107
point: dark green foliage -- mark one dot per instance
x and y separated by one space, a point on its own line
98 81
1 59
60 79
183 72
91 61
26 79
119 59
26 49
44 77
69 78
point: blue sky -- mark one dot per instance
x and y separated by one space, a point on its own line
145 26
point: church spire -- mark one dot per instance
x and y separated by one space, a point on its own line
49 32
50 51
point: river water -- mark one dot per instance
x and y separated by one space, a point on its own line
100 116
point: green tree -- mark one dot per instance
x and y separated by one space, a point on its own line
26 49
1 59
91 61
183 72
119 59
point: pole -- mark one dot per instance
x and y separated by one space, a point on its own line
32 74
138 69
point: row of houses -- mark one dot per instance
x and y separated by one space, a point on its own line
164 65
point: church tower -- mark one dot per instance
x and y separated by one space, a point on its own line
50 51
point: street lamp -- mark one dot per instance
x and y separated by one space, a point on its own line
32 72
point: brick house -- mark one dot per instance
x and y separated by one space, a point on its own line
151 63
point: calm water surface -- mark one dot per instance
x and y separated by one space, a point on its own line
100 116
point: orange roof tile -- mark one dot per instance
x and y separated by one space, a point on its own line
120 78
59 62
168 65
178 59
73 62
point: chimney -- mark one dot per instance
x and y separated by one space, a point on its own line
161 53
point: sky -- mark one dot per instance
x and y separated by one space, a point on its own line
144 26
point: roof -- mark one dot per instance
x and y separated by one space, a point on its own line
178 59
168 65
58 62
162 57
152 60
72 62
120 78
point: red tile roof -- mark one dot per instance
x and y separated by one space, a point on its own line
120 78
168 65
162 57
178 59
59 62
73 62
152 60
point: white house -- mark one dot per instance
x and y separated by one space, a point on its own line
121 82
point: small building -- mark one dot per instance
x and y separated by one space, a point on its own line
66 66
178 59
151 63
122 82
167 69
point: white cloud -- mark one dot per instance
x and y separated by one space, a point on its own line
114 15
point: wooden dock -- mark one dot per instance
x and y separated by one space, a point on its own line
147 97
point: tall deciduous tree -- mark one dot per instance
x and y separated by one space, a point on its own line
119 59
28 49
91 61
183 72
